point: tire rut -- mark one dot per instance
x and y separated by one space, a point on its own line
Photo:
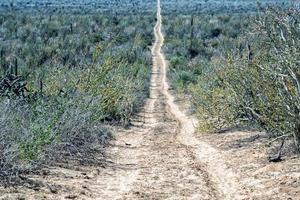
158 157
167 168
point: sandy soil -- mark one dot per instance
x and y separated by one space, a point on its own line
246 152
162 157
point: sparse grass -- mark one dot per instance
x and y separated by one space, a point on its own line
82 72
239 69
75 70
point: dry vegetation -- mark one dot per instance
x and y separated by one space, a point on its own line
64 77
71 70
239 68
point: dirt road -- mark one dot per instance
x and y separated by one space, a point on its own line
157 158
163 158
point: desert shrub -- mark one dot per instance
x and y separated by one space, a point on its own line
250 75
82 74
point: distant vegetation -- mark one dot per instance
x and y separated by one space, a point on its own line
81 6
239 68
63 77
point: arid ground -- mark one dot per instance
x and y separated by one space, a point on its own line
161 156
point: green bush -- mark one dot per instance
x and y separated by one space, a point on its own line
250 77
82 72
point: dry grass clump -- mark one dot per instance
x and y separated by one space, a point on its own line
64 79
240 69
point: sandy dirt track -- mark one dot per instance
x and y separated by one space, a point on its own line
159 157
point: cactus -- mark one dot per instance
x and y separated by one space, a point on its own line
71 28
3 62
16 66
41 85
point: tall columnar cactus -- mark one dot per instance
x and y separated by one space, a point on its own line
2 61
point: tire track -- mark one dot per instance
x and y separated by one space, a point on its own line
157 158
218 174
